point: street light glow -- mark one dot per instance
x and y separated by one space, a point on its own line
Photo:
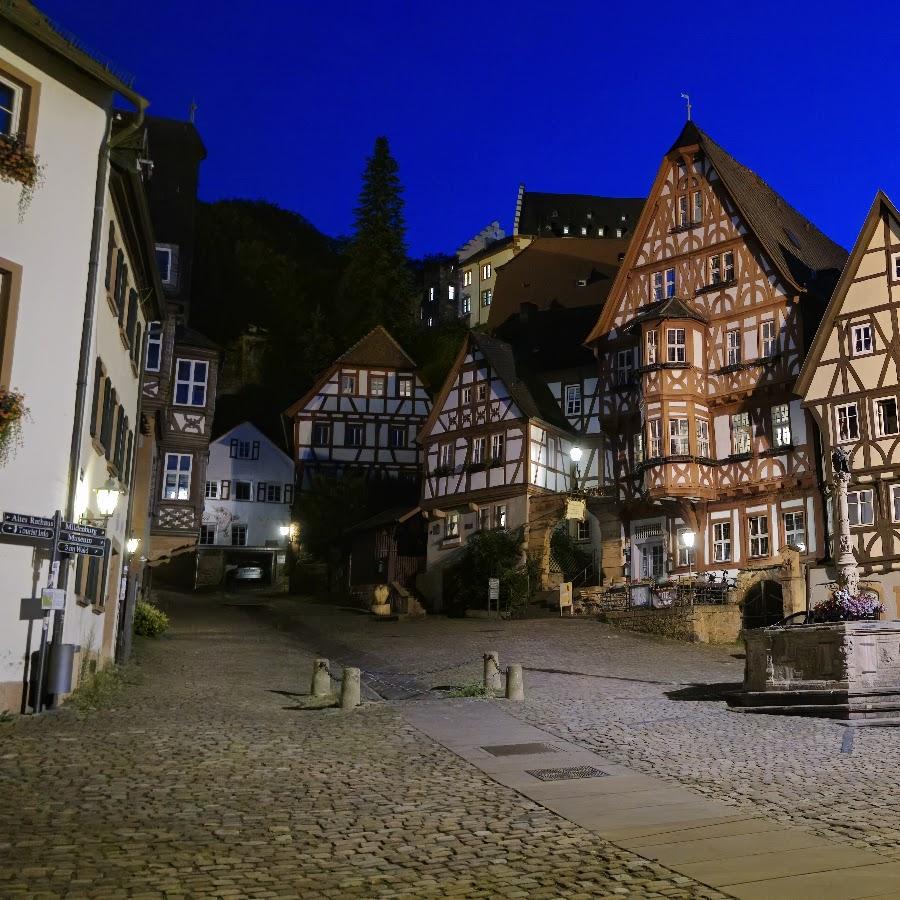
687 539
575 454
132 544
108 498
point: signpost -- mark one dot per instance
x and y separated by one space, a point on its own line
58 538
493 593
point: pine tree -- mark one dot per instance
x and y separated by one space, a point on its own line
377 287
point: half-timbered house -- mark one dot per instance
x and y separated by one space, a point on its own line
850 383
363 412
698 349
495 442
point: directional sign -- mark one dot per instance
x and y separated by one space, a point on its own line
493 588
25 519
27 531
76 537
84 529
68 547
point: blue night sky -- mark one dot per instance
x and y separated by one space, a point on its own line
575 97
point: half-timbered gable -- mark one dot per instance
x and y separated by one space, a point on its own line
850 383
698 348
364 412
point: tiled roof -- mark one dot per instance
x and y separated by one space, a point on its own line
544 215
550 339
377 348
191 338
672 308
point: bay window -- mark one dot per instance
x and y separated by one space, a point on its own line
676 345
177 481
679 444
190 382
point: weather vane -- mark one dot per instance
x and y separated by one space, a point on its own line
688 98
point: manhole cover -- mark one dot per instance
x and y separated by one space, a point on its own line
567 773
519 749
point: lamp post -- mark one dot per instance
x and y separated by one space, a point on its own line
575 454
687 540
107 499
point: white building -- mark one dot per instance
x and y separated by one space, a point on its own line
249 492
78 285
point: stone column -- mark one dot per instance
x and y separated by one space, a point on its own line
848 573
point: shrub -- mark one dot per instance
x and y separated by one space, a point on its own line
97 690
149 620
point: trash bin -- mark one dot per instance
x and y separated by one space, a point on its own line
62 662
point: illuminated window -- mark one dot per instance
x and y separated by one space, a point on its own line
177 481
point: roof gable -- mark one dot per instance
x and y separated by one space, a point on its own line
226 437
377 348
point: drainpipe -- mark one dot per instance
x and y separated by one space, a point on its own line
88 322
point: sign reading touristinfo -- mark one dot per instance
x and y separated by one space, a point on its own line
73 537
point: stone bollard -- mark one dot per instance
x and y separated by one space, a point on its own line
321 679
492 681
515 686
349 688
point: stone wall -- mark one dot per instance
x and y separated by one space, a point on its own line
702 624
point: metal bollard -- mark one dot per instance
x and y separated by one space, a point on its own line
492 680
321 679
515 686
349 688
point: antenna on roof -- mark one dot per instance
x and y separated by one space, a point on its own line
192 111
688 98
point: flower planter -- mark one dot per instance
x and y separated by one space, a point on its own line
20 164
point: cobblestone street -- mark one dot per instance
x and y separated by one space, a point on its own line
206 780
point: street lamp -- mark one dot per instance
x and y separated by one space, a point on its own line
575 454
107 498
132 544
284 530
687 540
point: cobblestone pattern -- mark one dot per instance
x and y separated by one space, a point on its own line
206 781
655 705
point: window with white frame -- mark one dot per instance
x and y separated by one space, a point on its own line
795 529
404 386
165 257
565 229
583 530
321 434
624 367
652 560
619 232
482 392
190 382
377 384
486 271
238 535
703 438
154 346
397 437
728 266
675 345
656 286
715 269
177 481
476 457
655 431
466 395
467 277
685 552
895 502
652 351
860 507
638 448
722 541
847 418
451 292
243 490
679 443
697 207
500 516
348 382
733 347
465 305
895 266
601 231
781 425
862 339
10 107
497 442
446 456
740 433
212 490
758 529
669 287
583 230
354 434
207 534
573 399
768 339
486 297
273 493
683 211
886 417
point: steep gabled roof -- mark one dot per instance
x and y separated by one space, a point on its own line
545 214
377 348
550 340
880 205
221 438
805 257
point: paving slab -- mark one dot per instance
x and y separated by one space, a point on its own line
842 884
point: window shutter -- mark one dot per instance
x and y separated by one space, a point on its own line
103 565
288 493
121 425
92 580
120 305
110 249
225 491
261 492
95 404
136 344
79 575
109 412
120 283
132 314
255 454
233 450
126 475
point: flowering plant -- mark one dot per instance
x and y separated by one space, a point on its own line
18 162
12 411
843 606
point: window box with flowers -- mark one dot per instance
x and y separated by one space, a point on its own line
20 164
12 411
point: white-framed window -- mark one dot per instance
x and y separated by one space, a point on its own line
497 444
895 502
467 277
243 490
675 345
656 286
685 553
768 339
795 529
500 516
397 437
669 287
377 385
624 366
477 451
601 231
758 529
573 399
847 419
886 423
715 269
348 382
486 271
482 392
354 434
465 305
177 481
321 434
565 229
190 382
484 518
273 493
652 349
728 266
212 490
655 431
619 232
703 438
733 346
722 541
451 292
154 346
446 456
207 534
10 107
781 425
697 207
583 230
740 433
683 211
466 396
638 448
404 386
679 442
486 297
238 534
862 339
860 507
451 526
652 560
583 530
895 266
164 260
